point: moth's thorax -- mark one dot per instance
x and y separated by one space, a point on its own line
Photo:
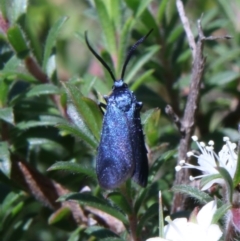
121 96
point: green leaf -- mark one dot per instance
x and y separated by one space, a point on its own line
92 201
43 121
107 26
78 129
209 178
75 234
142 60
152 211
3 92
51 39
16 9
142 6
236 179
228 179
73 167
5 161
225 56
7 115
58 215
166 156
6 204
115 13
43 89
161 11
223 78
123 43
144 77
87 110
193 192
120 201
18 42
220 212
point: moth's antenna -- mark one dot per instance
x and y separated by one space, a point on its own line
130 53
99 58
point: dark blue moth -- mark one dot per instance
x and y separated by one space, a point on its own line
121 153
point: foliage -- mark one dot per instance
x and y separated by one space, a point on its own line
49 118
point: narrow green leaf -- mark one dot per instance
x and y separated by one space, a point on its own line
143 78
107 26
236 179
8 201
123 43
7 115
18 42
228 179
3 92
120 201
207 179
223 78
166 156
150 22
43 121
79 129
142 6
43 89
225 55
58 215
87 110
92 201
115 13
220 212
161 10
73 167
152 211
5 161
193 192
141 61
51 39
228 8
75 234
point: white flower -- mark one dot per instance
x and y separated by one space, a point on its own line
208 160
201 229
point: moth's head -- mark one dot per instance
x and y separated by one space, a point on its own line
119 84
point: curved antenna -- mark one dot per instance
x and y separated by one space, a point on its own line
130 53
99 58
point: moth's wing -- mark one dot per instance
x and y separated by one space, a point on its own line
115 154
140 174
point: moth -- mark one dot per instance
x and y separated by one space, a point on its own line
121 153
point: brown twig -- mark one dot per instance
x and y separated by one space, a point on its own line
187 123
186 27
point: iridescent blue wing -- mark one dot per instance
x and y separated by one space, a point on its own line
115 153
140 174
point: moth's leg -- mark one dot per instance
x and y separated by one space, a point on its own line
102 107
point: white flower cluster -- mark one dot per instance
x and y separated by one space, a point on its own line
208 160
201 228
